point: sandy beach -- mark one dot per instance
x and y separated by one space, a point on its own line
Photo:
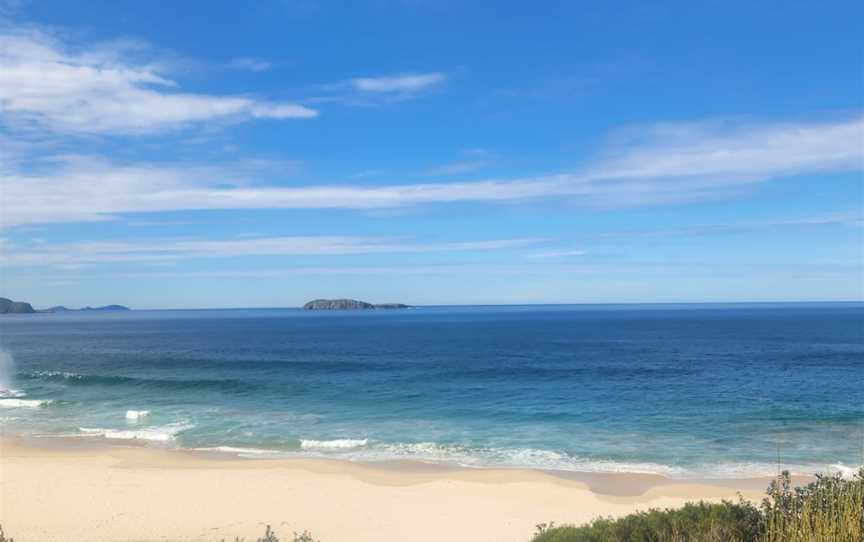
78 491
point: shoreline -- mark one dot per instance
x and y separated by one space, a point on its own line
89 491
724 474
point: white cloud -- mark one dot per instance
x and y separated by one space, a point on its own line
849 219
657 170
90 252
251 64
557 254
45 85
737 152
398 83
457 168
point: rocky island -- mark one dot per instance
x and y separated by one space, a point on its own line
7 306
348 304
107 308
61 308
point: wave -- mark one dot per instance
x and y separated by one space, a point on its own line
24 403
9 392
160 383
476 457
337 444
136 415
241 452
165 433
549 460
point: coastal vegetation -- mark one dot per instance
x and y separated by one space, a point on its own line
831 509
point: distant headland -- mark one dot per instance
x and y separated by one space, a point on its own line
348 304
61 308
7 306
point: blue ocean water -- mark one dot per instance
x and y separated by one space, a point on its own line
689 390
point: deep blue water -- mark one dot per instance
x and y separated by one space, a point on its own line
722 390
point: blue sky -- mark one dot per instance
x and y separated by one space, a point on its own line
431 152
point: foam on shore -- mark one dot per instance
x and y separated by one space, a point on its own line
165 433
336 444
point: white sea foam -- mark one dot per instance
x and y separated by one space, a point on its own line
8 392
136 415
55 374
24 403
845 471
531 458
164 433
337 444
242 452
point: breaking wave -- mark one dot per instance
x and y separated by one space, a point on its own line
336 444
164 433
24 403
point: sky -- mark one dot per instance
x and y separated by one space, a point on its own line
223 154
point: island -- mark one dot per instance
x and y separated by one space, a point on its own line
107 308
7 306
348 304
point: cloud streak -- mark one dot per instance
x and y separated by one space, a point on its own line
671 164
47 86
398 83
167 250
251 64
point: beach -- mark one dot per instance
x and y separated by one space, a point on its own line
54 490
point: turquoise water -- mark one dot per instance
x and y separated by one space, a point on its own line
689 390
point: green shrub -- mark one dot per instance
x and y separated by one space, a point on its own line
830 509
269 536
694 522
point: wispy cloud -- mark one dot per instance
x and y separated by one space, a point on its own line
851 218
411 82
372 91
49 86
457 168
91 252
557 254
251 64
737 152
664 166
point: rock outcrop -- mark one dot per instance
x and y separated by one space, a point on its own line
107 308
7 306
348 304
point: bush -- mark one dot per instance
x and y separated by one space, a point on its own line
830 509
695 522
269 536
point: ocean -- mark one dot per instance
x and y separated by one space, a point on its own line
686 391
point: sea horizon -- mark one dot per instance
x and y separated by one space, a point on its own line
610 304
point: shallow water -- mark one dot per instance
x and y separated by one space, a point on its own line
689 390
